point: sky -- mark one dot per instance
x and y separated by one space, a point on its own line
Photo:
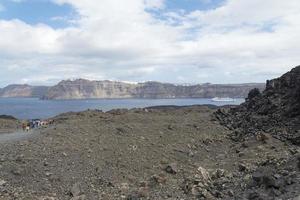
176 41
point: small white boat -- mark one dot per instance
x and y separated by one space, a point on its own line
223 99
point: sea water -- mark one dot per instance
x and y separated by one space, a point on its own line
34 108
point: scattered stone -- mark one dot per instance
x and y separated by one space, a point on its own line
81 197
172 168
254 196
266 178
202 193
124 188
133 197
76 190
219 173
2 182
16 171
263 137
158 179
203 174
245 145
241 154
170 127
47 198
48 174
243 167
230 193
143 192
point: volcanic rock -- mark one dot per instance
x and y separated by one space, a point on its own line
275 111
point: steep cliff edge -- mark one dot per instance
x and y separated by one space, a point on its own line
276 110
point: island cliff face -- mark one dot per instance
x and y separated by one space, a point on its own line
23 91
82 89
86 89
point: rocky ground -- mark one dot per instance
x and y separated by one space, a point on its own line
276 110
163 153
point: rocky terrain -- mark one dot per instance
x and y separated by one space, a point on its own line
197 152
275 111
155 153
82 89
272 114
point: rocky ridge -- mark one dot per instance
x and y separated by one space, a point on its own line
275 111
271 115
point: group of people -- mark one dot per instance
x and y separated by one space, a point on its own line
35 123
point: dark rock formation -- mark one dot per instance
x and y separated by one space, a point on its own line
276 110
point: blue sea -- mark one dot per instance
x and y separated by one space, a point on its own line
34 108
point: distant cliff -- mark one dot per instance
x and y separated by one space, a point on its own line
23 91
85 89
81 89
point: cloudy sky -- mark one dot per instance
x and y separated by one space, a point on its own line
178 41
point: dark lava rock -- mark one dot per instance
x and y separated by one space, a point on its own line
254 196
172 168
275 111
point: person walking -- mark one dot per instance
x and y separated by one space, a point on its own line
24 125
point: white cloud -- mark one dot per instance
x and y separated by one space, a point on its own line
241 41
154 4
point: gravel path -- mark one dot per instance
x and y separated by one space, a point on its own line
16 136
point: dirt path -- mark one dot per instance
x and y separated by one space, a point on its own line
16 136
